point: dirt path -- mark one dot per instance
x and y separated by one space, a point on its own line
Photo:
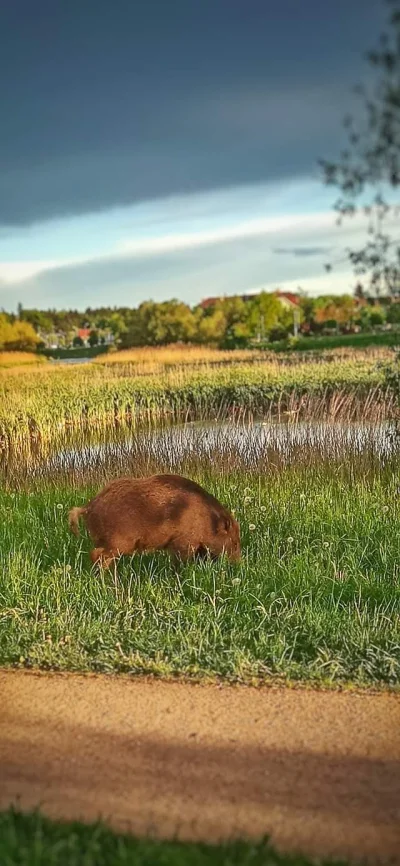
320 772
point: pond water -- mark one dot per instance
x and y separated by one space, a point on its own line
230 447
247 443
71 360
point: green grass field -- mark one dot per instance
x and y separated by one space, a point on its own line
316 597
32 840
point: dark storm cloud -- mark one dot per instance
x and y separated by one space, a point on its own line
106 103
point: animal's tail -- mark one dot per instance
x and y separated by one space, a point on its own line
73 519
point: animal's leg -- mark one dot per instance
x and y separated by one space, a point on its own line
102 557
180 550
204 553
96 554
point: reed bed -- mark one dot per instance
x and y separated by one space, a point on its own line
152 359
264 448
100 395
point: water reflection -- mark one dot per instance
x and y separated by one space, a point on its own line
255 446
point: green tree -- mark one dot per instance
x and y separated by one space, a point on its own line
176 322
39 320
159 324
307 307
371 161
236 315
117 325
377 316
335 311
264 314
93 338
136 332
17 336
393 314
212 327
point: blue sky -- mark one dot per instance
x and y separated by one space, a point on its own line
170 149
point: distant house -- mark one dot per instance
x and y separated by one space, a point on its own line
84 333
106 337
209 302
288 299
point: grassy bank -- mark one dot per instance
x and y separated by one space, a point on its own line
323 343
32 840
98 394
316 597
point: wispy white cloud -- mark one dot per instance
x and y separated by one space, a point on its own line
18 272
210 243
168 242
248 229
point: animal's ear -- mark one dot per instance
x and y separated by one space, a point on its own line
225 524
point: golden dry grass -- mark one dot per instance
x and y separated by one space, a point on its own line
151 360
14 360
178 355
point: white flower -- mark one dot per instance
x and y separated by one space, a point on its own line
236 581
252 527
263 509
290 540
385 508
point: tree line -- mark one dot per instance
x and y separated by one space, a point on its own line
228 322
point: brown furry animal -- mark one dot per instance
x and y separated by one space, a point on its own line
163 512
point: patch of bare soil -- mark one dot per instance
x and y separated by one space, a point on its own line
318 771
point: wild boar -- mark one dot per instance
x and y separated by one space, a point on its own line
163 512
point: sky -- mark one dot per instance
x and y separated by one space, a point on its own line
169 148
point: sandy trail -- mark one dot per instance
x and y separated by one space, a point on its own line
320 772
